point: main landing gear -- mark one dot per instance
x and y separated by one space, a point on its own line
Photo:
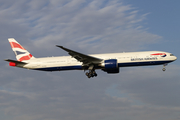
164 69
91 72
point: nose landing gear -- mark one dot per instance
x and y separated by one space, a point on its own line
164 69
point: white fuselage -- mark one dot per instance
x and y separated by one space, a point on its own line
123 59
109 63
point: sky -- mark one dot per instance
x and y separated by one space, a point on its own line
90 27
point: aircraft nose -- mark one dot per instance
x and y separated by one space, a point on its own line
175 58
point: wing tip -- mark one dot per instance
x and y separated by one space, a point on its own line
59 46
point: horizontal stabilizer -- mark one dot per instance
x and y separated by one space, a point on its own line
15 61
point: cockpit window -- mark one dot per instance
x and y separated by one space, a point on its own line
171 55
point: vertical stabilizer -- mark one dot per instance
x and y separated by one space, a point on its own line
21 53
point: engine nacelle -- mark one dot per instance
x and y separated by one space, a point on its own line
111 71
110 66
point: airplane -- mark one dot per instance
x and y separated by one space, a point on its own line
109 62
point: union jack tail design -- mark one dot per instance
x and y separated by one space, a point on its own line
21 53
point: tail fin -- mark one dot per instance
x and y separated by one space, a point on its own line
21 53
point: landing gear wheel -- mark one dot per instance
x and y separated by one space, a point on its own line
164 69
95 75
87 74
91 73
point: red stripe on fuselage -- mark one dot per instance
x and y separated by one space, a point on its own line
27 57
16 45
159 54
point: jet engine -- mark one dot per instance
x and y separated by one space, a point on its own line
110 66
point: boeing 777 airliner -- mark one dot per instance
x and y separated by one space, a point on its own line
109 63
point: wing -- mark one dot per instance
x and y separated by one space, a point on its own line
86 59
14 61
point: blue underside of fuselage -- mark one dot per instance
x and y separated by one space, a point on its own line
79 67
